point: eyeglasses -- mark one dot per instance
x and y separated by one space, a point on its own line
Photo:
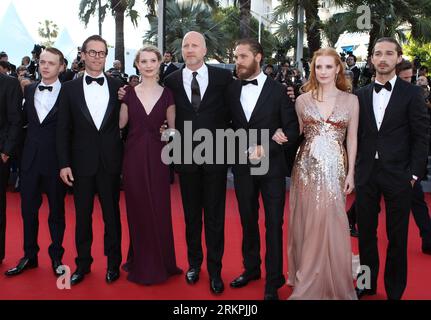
94 53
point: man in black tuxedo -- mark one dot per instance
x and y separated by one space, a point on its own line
89 150
199 92
39 166
393 142
67 74
10 134
257 102
167 67
351 65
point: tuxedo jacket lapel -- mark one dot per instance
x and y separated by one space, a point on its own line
266 90
111 103
31 107
52 112
83 104
180 82
395 97
237 102
370 106
212 82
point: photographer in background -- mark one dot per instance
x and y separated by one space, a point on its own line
133 80
351 65
405 71
283 75
306 67
33 69
12 68
423 83
4 67
116 72
23 77
423 71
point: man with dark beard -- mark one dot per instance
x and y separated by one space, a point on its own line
257 102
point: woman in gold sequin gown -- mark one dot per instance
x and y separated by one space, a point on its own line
319 248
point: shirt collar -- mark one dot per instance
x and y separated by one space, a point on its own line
392 81
99 76
56 85
261 78
202 71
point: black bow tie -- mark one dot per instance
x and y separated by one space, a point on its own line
49 88
246 82
379 87
100 80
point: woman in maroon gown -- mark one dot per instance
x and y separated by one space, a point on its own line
151 256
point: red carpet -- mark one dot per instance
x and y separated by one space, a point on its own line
40 283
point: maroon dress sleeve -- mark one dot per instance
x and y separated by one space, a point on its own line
169 97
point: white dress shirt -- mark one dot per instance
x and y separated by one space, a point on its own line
202 78
97 98
380 102
45 100
166 65
250 94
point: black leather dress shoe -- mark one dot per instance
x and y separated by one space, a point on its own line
78 276
57 268
216 285
351 216
24 264
112 275
192 275
243 280
360 293
271 295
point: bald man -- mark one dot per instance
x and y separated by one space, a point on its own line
199 92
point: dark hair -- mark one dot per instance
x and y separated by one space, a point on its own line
133 76
94 38
391 40
56 52
37 49
21 68
3 55
353 56
5 65
255 46
403 65
424 68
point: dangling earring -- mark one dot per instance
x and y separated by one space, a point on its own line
336 77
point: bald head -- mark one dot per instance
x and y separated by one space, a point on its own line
194 50
197 36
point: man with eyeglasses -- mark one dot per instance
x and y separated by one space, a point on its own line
90 150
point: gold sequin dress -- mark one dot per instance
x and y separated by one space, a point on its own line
319 247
